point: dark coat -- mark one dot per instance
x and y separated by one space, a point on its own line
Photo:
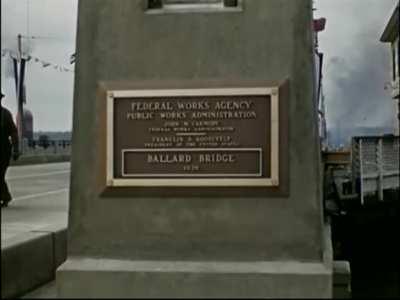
8 136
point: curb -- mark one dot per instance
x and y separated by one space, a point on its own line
40 159
30 260
341 280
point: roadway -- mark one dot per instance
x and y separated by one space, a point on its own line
40 198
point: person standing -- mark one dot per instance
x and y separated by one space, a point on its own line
8 148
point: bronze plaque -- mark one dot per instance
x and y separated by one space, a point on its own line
194 134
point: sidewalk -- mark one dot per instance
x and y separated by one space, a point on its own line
33 227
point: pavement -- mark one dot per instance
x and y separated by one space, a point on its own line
34 224
40 198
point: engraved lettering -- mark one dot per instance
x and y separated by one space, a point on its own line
194 105
217 158
168 158
173 115
152 106
139 116
233 105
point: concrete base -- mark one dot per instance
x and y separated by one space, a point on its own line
30 260
341 280
105 278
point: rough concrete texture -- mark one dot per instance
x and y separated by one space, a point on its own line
341 289
47 291
341 280
341 272
59 236
155 279
30 260
266 41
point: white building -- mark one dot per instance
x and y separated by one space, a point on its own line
391 35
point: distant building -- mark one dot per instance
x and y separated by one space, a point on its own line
391 35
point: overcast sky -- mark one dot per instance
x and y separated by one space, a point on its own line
49 91
356 68
357 65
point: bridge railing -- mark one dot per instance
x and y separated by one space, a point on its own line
375 165
37 147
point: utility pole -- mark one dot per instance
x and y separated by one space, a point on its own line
19 73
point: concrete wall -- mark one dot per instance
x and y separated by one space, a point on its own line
267 40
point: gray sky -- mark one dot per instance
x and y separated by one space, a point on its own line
357 65
49 91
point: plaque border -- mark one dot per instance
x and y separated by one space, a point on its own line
272 181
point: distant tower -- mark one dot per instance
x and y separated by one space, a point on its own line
27 131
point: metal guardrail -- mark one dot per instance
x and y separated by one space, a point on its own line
36 147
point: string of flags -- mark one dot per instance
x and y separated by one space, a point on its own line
45 64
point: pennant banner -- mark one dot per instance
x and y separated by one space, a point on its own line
7 53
